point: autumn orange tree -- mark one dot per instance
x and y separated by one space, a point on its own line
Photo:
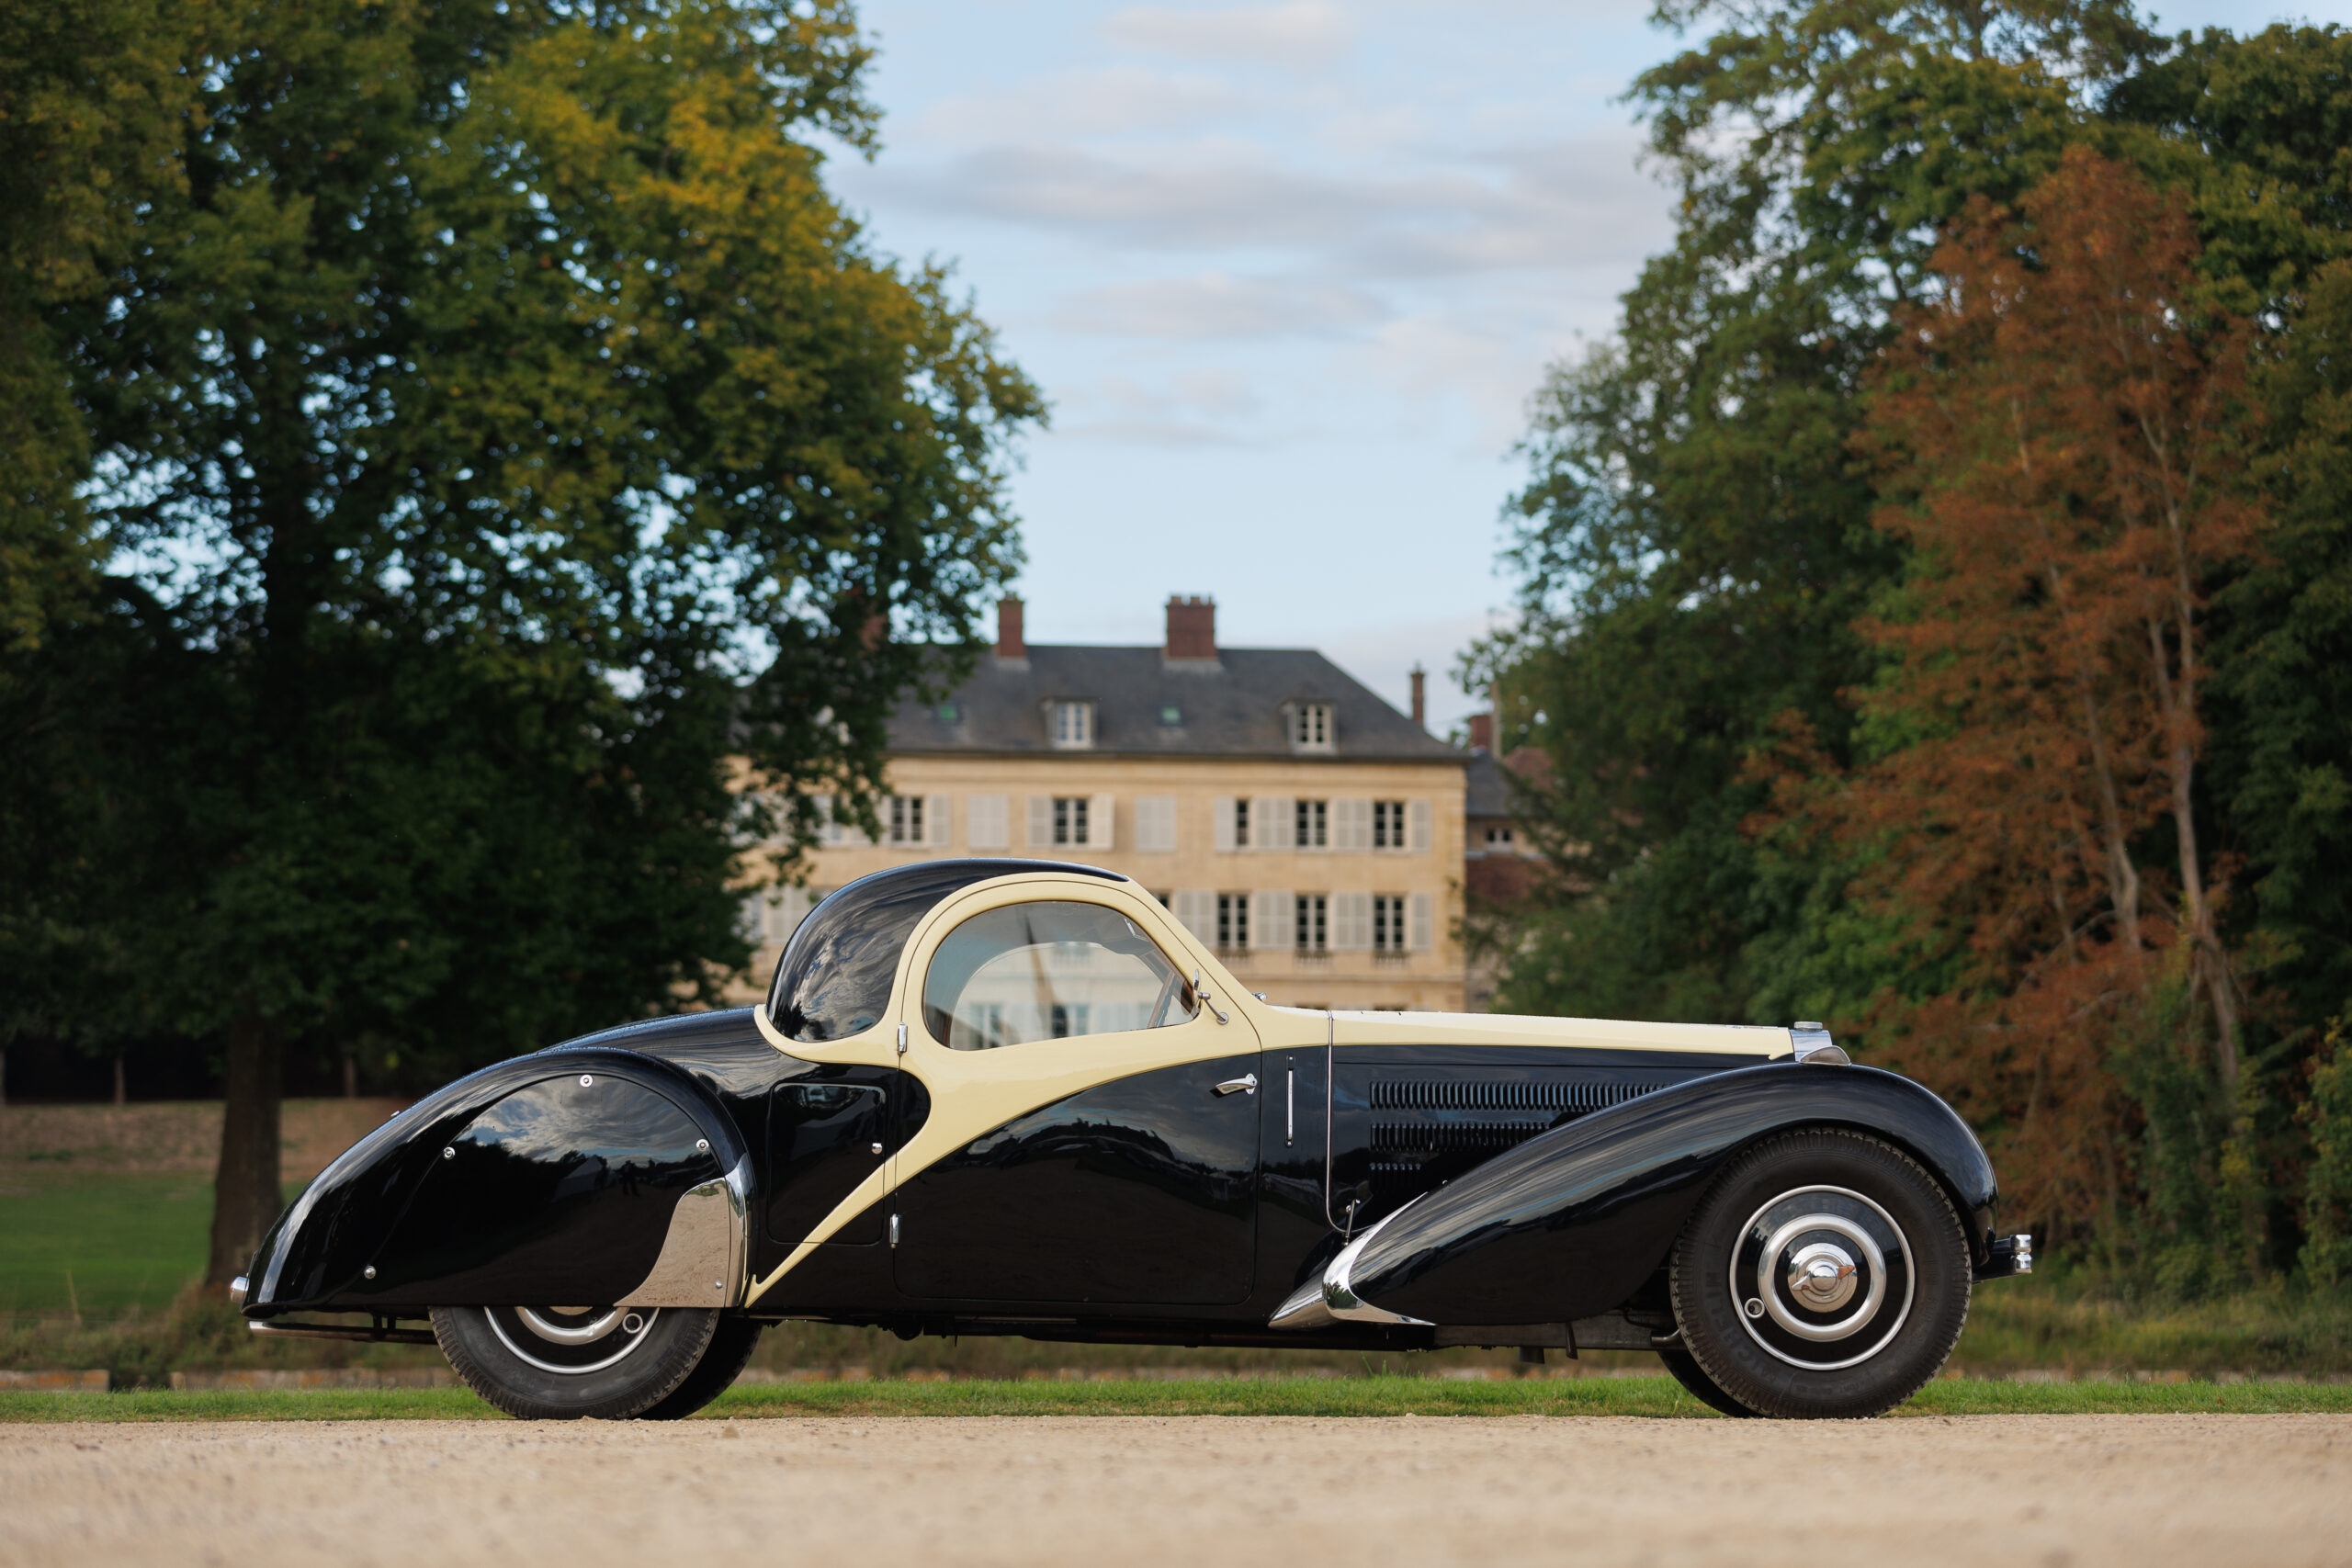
2057 427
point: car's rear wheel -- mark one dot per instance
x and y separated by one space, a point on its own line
1825 1274
730 1350
566 1363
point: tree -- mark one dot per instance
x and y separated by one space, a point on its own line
2060 424
508 426
1693 546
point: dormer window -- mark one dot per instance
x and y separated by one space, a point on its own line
1310 727
1070 726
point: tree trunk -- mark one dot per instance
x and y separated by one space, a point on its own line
350 1075
121 1097
245 1190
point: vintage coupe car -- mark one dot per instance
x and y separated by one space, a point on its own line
1008 1097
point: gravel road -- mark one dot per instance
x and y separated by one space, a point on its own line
2020 1492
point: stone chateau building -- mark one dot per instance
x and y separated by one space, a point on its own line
1286 814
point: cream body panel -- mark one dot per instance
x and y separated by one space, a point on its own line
973 1091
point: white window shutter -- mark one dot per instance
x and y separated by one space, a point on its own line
937 826
1351 921
1424 922
1041 821
985 827
1221 814
788 912
1101 817
1196 912
1271 915
1156 823
1417 815
1273 822
1351 823
752 923
827 831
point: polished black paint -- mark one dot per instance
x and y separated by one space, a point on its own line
561 1190
1407 1119
826 1134
1138 1190
834 978
1570 1224
314 1257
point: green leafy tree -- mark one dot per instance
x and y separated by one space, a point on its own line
510 427
1694 544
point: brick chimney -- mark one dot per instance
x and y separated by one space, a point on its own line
1008 629
1191 627
1420 698
1482 732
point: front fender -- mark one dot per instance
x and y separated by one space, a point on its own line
586 1175
1570 1224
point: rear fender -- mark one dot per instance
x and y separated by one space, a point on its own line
1571 1223
576 1175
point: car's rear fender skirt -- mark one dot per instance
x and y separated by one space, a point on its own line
574 1176
1572 1222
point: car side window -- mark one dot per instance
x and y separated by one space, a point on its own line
1049 970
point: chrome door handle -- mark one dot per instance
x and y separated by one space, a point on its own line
1246 1084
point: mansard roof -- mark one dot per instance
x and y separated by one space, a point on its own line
1235 705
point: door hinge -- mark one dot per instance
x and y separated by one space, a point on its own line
894 1230
902 1039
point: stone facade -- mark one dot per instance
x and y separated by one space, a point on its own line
1306 830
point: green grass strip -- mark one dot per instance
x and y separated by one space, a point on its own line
1378 1396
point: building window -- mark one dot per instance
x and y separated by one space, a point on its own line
1070 726
1241 824
906 819
1310 727
1314 916
948 713
1070 820
1233 921
1314 824
1387 824
1499 837
1388 930
1170 716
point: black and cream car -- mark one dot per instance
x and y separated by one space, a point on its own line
1005 1097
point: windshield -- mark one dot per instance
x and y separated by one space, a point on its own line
833 980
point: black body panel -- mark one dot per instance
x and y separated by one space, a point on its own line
1569 1225
826 1134
1138 1190
559 1191
619 1153
1408 1119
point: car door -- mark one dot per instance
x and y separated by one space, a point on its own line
1092 1133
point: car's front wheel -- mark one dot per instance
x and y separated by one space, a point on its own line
568 1363
1825 1274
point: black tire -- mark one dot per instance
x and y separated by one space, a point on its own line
732 1345
1862 1297
622 1363
1688 1372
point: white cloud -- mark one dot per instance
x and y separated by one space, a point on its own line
1218 305
1300 35
1106 101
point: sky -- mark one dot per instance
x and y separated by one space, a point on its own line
1287 275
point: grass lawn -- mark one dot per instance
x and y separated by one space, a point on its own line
100 1242
1375 1396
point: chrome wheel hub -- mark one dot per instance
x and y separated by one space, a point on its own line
571 1340
1826 1278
